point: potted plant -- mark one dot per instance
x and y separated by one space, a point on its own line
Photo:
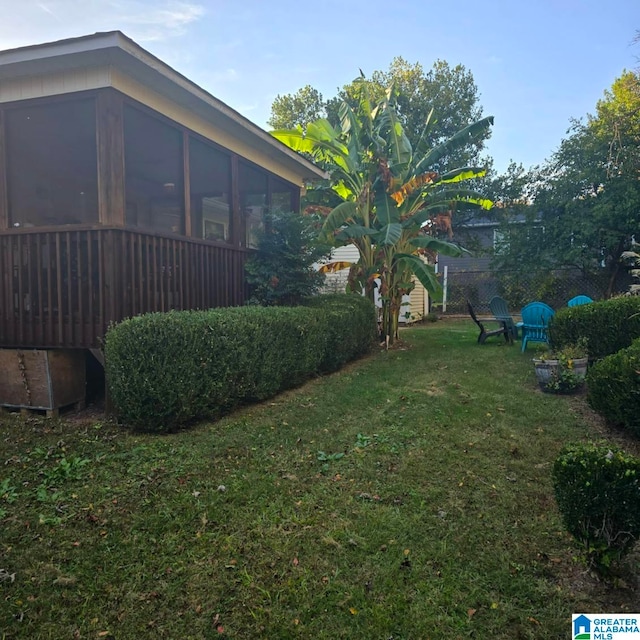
562 371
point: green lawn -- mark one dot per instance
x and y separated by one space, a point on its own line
406 497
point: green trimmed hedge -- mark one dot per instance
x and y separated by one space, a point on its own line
614 388
597 488
165 370
350 329
608 325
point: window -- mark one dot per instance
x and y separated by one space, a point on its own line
210 182
502 239
153 172
52 174
252 185
283 196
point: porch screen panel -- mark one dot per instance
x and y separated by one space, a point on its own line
210 183
52 175
154 170
283 195
252 185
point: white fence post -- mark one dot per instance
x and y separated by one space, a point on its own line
444 288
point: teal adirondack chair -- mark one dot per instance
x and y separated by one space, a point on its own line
500 310
535 323
578 300
484 334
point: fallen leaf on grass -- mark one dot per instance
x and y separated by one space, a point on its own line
471 612
353 611
331 541
5 576
296 562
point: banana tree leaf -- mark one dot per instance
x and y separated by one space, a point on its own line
424 272
466 196
331 151
399 145
386 208
426 213
441 246
464 173
355 231
338 216
440 201
420 147
348 120
322 129
458 140
390 234
338 265
416 183
342 190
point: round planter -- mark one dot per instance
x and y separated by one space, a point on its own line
547 370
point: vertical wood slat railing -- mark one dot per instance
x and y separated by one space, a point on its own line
62 288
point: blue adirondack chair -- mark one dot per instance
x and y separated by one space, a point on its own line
535 323
500 310
578 300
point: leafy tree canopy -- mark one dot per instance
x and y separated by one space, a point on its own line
587 196
444 96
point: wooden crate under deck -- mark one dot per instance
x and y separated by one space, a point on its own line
42 379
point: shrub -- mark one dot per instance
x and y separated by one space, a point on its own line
165 370
351 327
282 271
598 494
614 388
608 325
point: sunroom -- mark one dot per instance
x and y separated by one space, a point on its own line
124 188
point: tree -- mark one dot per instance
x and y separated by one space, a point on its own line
390 202
282 271
446 95
588 194
299 108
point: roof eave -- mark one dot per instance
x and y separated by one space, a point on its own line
115 48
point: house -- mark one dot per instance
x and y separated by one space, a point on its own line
124 188
469 276
479 236
415 305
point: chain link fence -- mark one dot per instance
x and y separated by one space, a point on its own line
553 287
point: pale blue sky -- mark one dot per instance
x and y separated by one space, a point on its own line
536 63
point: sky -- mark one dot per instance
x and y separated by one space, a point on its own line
536 63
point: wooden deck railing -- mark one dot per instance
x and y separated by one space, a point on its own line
62 288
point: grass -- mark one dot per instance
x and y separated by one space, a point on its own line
408 496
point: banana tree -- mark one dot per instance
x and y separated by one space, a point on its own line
389 203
